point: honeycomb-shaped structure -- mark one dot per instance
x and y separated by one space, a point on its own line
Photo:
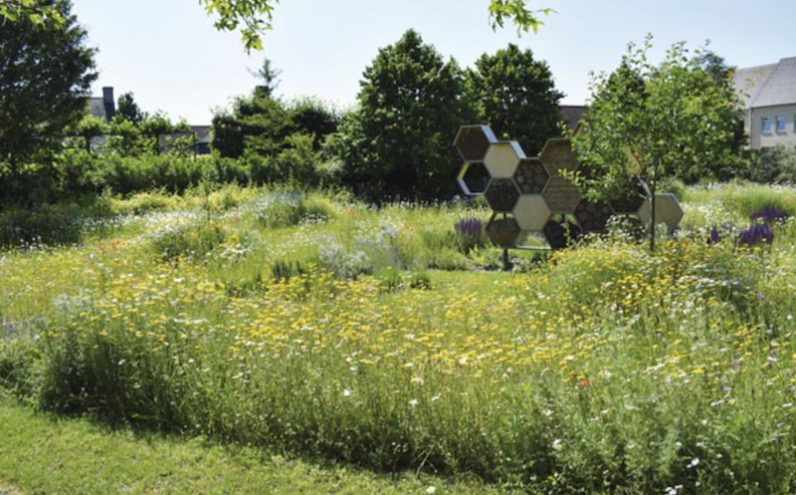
503 232
531 176
667 211
473 141
531 212
593 217
502 195
558 156
633 201
474 178
561 195
535 189
628 205
503 158
562 233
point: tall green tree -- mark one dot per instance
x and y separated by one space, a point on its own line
682 122
398 141
46 71
128 109
517 96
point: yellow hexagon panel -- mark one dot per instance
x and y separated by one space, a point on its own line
503 158
667 211
531 212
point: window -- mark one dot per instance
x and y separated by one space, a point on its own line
782 124
766 125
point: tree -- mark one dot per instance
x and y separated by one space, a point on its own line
90 127
261 123
314 118
517 96
398 141
680 123
46 72
128 109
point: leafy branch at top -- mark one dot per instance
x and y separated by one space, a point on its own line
517 11
254 17
34 10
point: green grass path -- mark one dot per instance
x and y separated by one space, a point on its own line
41 454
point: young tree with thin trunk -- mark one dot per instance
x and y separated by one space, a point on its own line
670 120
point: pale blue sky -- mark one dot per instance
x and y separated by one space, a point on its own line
169 55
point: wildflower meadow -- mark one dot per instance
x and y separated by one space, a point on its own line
390 339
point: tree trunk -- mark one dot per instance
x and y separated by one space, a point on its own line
653 190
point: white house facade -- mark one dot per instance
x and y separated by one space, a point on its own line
769 94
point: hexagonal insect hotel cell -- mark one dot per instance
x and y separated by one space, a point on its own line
502 195
474 178
593 217
503 158
503 232
531 176
474 141
558 157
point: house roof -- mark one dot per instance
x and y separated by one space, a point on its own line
768 85
98 108
572 115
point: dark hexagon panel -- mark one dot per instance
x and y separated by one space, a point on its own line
502 195
593 217
632 202
561 195
531 176
558 156
473 142
561 234
474 178
503 232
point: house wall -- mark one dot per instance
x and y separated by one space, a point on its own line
754 125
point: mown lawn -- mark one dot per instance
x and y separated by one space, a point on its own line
44 454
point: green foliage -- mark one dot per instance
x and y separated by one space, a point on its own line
397 142
255 16
193 241
771 166
516 10
33 11
128 109
46 77
280 210
674 119
389 279
282 271
517 97
88 128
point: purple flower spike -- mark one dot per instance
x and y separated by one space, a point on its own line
470 227
769 214
715 237
757 234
